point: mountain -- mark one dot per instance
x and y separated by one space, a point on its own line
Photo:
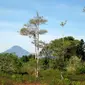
19 51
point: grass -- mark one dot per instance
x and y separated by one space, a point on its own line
46 77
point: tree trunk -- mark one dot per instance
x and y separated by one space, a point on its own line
37 52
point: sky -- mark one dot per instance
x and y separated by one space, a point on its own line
15 13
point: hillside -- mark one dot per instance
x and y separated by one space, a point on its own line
19 51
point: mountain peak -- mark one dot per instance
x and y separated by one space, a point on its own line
16 47
19 51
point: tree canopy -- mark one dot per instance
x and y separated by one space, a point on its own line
56 47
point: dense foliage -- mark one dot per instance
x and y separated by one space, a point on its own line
59 59
9 63
67 47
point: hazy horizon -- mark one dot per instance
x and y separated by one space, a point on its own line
13 14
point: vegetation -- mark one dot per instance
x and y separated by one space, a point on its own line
62 60
22 69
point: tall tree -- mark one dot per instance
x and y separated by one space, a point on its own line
32 30
63 24
80 50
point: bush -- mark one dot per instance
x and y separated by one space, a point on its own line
17 77
49 75
9 63
81 68
73 64
29 67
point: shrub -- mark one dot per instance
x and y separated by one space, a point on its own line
29 67
81 69
17 77
73 64
49 75
9 63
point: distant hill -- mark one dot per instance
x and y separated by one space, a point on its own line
19 51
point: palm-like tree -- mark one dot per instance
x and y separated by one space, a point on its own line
63 24
32 30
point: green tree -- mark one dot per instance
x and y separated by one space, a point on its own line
24 59
44 63
55 48
80 50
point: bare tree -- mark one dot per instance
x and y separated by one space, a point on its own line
32 30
